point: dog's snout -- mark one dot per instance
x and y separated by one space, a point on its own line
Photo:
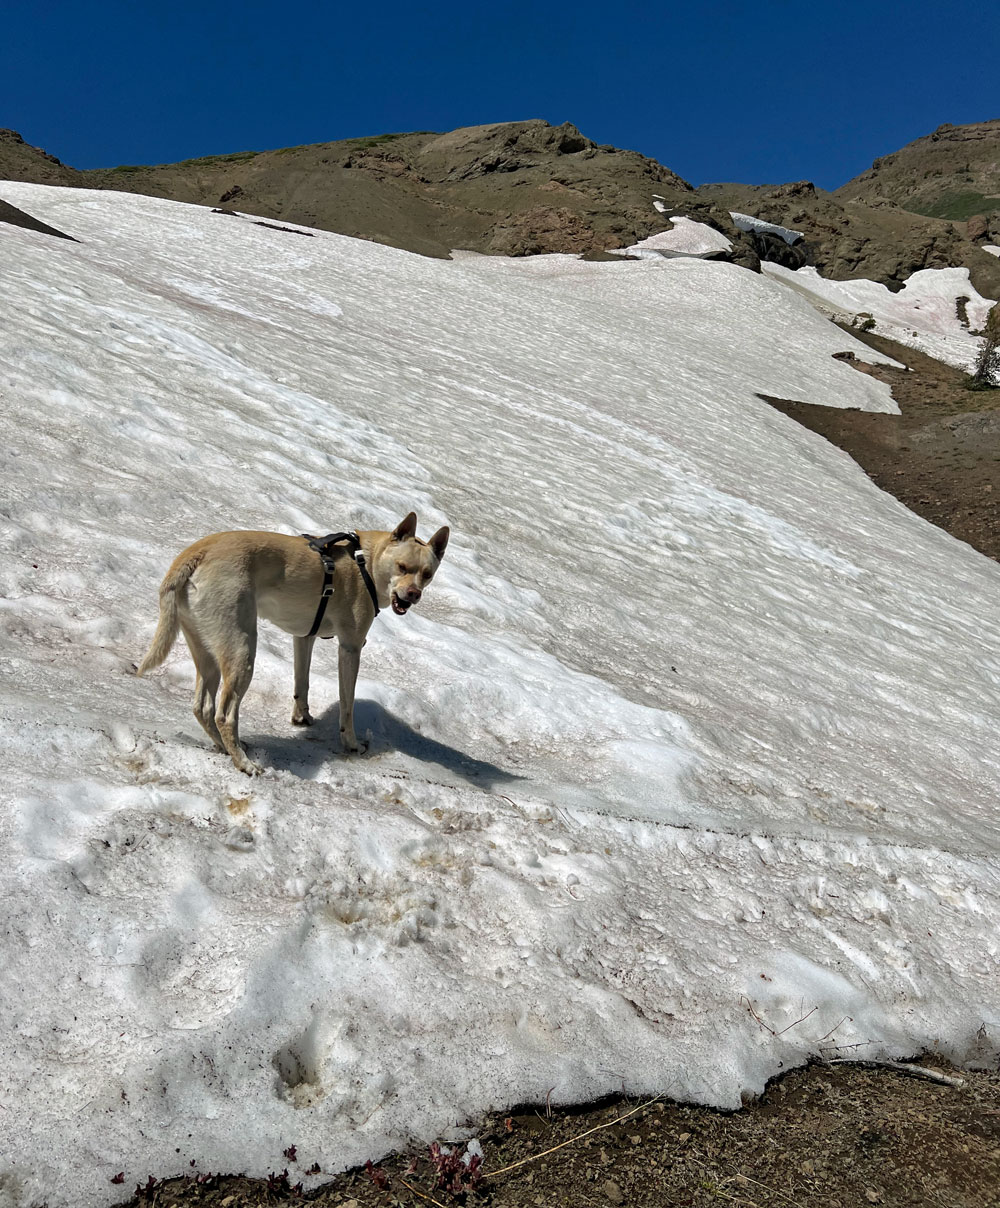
413 594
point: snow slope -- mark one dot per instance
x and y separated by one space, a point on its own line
683 772
924 314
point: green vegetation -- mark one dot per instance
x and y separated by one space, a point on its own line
236 157
986 374
239 157
958 206
373 140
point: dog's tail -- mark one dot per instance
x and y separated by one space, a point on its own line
176 580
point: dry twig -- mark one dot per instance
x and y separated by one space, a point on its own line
423 1195
492 1174
905 1067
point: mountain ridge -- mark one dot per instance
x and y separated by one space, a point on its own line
953 172
527 187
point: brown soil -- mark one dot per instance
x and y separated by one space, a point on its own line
827 1136
941 456
822 1137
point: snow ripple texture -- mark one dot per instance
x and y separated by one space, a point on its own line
684 772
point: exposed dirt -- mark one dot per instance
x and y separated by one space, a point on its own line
941 457
21 161
823 1137
828 1136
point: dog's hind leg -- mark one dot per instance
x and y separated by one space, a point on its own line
237 671
303 648
234 647
206 685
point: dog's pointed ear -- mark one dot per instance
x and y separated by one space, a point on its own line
406 528
439 542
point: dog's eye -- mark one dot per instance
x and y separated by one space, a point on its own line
401 567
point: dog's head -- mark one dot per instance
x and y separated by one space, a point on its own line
413 562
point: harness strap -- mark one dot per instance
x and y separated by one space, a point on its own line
324 547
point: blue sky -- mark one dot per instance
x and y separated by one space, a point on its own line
759 93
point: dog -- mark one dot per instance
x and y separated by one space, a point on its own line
217 588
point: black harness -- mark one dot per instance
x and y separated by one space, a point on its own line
324 547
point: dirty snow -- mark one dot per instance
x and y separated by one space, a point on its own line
684 771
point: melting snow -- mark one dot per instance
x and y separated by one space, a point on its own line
924 314
684 772
686 237
746 222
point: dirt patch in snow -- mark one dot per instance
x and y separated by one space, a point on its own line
940 457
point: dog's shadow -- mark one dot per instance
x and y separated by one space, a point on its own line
312 747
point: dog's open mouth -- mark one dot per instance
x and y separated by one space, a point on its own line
399 607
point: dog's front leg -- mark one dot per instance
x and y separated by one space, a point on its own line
303 648
348 662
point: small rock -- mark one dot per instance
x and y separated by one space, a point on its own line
872 1197
636 1140
613 1192
977 227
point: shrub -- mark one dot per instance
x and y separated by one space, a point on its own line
986 373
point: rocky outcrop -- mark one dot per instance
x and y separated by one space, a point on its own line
543 229
983 228
16 217
845 239
21 161
952 173
508 147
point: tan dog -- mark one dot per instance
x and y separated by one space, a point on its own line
216 589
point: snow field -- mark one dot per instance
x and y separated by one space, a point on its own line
683 771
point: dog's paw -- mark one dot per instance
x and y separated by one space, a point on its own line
301 717
248 765
352 744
